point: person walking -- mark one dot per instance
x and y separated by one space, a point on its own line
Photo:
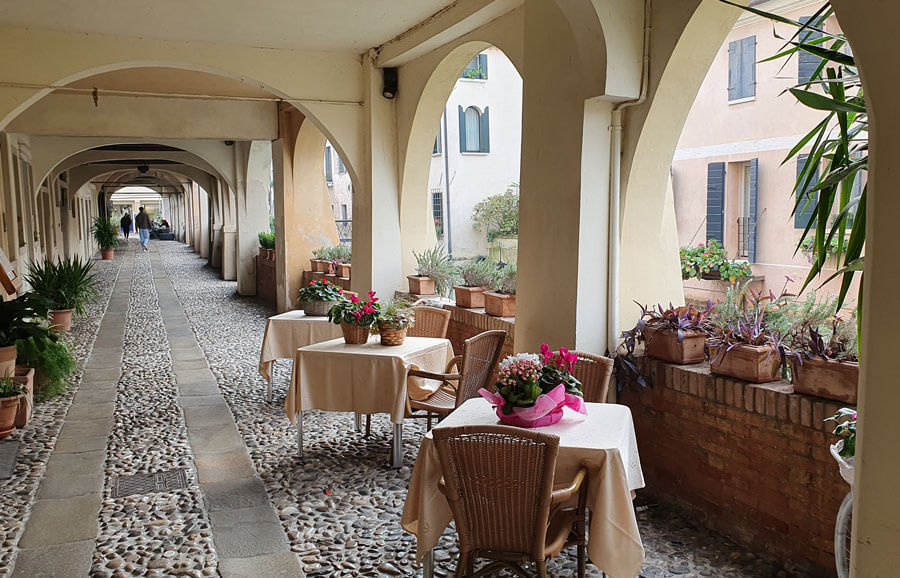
142 222
125 223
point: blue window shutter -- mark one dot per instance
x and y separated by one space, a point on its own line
734 69
715 202
482 64
462 129
806 208
485 131
748 67
807 63
754 197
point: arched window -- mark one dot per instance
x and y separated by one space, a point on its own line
474 136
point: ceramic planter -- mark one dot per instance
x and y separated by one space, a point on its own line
753 363
663 344
316 308
390 335
8 360
107 254
344 270
499 304
9 406
837 380
420 285
470 297
60 319
354 334
25 377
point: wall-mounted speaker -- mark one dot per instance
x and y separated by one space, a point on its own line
390 83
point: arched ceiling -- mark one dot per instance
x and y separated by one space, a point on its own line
171 81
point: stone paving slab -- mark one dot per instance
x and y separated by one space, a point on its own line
89 411
60 521
71 485
91 428
105 359
63 560
220 438
63 465
247 532
188 354
8 452
234 494
193 375
222 466
279 564
199 400
101 374
203 389
208 415
81 444
91 396
180 365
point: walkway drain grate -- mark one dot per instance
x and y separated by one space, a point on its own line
149 483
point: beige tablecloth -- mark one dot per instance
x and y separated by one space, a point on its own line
287 332
603 441
368 378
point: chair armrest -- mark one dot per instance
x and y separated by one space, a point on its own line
435 376
453 363
564 494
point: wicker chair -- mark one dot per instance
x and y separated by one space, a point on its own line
430 322
476 366
593 371
498 481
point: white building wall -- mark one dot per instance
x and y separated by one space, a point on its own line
474 176
340 188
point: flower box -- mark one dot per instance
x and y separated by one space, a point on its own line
469 297
828 378
499 304
420 285
322 266
344 270
663 344
753 363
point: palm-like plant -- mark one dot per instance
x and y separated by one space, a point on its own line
105 232
17 320
66 284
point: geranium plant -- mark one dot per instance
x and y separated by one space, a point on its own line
354 311
321 290
846 430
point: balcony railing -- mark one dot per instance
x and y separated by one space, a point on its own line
344 229
743 251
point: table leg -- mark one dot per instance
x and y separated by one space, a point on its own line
397 446
357 422
428 565
271 369
270 390
300 434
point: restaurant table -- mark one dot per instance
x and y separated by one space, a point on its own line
603 441
365 379
287 332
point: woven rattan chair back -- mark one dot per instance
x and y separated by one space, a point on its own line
498 483
480 356
430 322
593 371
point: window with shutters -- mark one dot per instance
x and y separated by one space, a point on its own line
746 219
807 63
804 212
341 168
436 150
474 130
477 69
329 174
437 211
742 69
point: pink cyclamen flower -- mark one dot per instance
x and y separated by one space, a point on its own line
354 299
854 416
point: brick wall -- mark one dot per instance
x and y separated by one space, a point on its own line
466 323
751 461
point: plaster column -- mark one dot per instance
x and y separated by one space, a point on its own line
377 244
562 265
229 234
255 167
205 224
216 213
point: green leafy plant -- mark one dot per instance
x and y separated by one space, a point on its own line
396 314
481 273
340 253
18 320
436 264
354 311
9 388
105 232
321 290
710 258
53 365
846 430
506 280
266 240
498 215
474 74
322 253
66 284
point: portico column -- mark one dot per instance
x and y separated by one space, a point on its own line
252 207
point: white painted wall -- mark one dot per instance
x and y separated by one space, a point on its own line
474 176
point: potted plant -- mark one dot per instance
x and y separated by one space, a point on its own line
17 321
827 364
25 377
710 261
532 390
106 233
340 260
355 317
53 364
322 262
501 302
677 334
65 287
435 272
317 298
10 394
477 277
747 335
266 245
394 317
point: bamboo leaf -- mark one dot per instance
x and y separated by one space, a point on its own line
819 102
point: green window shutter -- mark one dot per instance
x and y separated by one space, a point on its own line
734 69
754 196
485 131
715 202
806 207
482 65
748 67
462 129
328 170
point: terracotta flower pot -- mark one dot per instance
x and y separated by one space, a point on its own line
60 319
663 344
9 406
316 308
312 264
323 266
8 360
499 304
263 253
354 334
828 378
345 270
270 254
25 377
391 336
107 254
420 285
470 297
753 363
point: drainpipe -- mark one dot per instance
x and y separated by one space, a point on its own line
447 186
615 188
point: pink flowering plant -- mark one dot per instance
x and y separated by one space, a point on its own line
351 309
523 377
321 290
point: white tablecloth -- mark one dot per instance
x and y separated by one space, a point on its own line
603 442
367 378
287 332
